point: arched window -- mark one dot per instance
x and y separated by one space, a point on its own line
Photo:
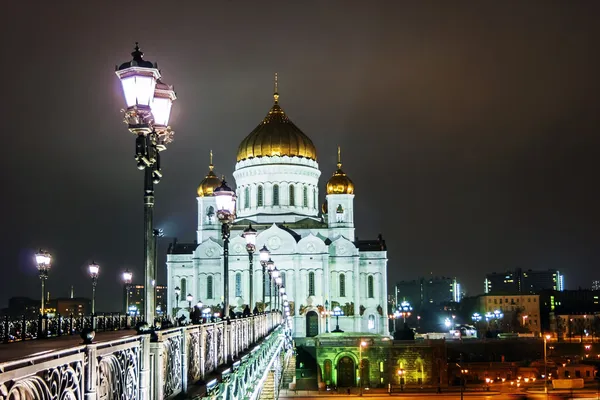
183 286
314 197
210 215
282 274
247 197
292 196
259 196
371 322
238 285
305 197
209 287
275 195
342 285
311 283
370 287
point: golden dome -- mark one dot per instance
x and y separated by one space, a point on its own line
276 135
339 183
210 181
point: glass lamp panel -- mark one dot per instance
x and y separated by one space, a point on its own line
225 201
42 259
264 254
190 297
161 110
138 89
127 276
250 238
94 269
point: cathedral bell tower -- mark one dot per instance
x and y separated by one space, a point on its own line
208 224
340 203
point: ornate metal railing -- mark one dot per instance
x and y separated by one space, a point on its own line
18 329
156 365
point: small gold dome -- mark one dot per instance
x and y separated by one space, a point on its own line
339 183
276 135
210 181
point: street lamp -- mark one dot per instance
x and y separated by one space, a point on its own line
401 378
189 299
127 278
264 257
337 312
546 338
177 293
360 366
43 261
94 269
148 103
250 236
225 199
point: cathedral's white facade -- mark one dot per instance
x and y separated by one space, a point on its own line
314 247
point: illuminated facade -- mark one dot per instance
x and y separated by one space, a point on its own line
313 245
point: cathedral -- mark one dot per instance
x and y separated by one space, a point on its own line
323 265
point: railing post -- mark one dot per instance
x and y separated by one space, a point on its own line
184 359
158 379
145 368
90 373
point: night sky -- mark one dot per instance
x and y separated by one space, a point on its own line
470 130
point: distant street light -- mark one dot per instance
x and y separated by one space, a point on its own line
401 378
250 236
360 363
265 256
546 338
43 261
190 298
94 270
127 278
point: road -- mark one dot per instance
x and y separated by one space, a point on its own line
29 348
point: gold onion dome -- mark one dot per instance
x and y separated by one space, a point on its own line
276 135
210 181
339 183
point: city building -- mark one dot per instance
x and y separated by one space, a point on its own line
521 281
322 263
559 307
518 310
76 306
433 293
133 299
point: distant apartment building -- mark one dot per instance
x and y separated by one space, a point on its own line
595 285
433 292
133 299
573 303
518 309
521 281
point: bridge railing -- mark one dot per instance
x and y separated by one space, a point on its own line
159 365
18 329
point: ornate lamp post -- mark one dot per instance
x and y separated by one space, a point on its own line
405 310
94 269
149 104
275 274
264 258
250 236
337 312
270 267
127 277
225 199
43 261
476 317
281 293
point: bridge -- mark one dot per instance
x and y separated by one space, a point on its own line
241 358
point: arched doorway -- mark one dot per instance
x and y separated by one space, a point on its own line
312 324
345 372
